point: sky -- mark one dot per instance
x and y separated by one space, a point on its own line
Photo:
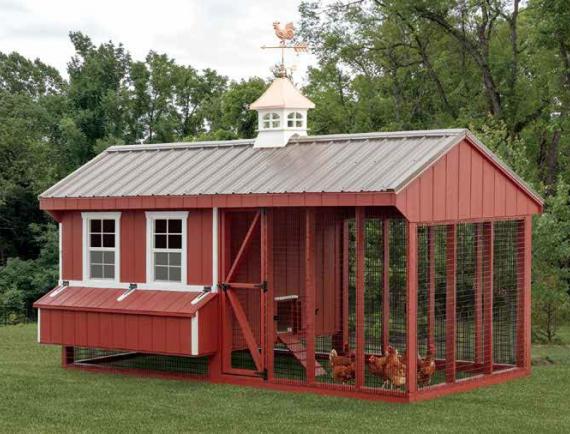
221 34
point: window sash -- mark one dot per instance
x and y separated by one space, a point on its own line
98 265
174 272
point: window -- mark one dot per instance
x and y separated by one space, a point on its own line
295 119
166 257
271 120
101 246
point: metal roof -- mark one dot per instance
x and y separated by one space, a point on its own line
372 162
115 300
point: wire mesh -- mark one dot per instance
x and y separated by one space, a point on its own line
457 264
124 361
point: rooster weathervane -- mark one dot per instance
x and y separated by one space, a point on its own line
286 33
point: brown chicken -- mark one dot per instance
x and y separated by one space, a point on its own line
426 369
343 367
388 367
394 370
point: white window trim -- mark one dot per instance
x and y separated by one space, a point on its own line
151 216
87 216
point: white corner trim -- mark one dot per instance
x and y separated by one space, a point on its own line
194 334
39 324
215 249
113 215
150 217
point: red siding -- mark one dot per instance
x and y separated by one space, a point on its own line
208 334
133 246
116 331
199 269
464 184
72 244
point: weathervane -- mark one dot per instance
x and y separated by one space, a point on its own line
286 33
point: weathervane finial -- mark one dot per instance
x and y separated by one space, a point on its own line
286 33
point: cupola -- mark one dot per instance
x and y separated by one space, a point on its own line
282 109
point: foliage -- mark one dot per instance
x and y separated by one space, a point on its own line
551 265
501 68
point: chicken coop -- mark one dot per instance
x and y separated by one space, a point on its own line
391 266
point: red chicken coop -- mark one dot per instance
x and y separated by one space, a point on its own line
392 266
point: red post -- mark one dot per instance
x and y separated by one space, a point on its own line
431 292
310 289
412 301
488 253
345 281
360 253
450 309
267 303
524 265
386 285
67 356
478 294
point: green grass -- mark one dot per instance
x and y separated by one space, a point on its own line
36 395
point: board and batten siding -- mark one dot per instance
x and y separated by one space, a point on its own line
133 246
462 185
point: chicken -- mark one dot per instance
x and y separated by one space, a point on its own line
394 369
284 33
343 367
426 369
343 373
345 360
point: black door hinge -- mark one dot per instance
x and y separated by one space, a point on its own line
224 286
263 285
263 374
275 317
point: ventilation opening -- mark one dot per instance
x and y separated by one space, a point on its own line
125 361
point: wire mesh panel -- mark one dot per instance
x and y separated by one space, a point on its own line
124 361
507 282
288 256
469 283
335 313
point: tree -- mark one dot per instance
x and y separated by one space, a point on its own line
551 264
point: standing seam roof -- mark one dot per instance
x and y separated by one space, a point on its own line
372 162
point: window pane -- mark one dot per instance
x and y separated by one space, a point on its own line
174 258
175 241
109 271
96 271
174 274
160 226
290 123
266 124
108 240
108 258
161 258
160 273
175 226
299 123
290 115
96 257
109 226
276 124
95 240
266 116
160 241
95 225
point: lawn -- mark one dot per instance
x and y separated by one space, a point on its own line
36 395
